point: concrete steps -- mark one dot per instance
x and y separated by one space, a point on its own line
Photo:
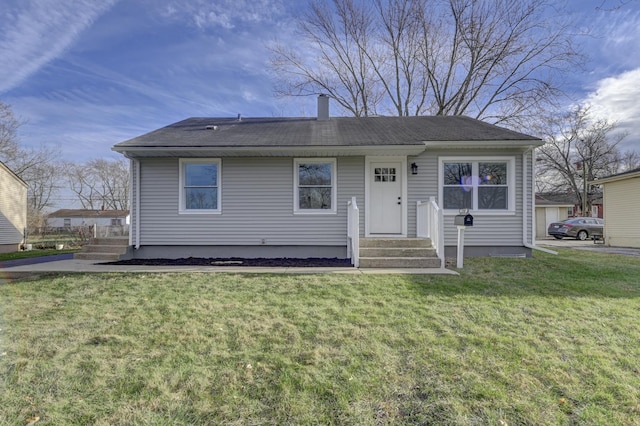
397 253
104 249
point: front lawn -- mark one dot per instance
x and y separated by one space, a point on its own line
544 341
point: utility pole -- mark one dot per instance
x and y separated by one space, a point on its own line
584 189
583 165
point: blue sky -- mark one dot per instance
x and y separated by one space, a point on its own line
86 74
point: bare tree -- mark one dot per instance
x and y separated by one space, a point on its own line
44 184
37 167
495 60
337 40
101 184
606 6
9 125
579 149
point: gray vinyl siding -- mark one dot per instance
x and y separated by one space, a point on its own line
531 193
496 230
257 205
421 186
9 233
133 202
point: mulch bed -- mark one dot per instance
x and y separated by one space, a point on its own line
313 262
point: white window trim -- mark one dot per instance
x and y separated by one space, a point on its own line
334 186
181 201
511 184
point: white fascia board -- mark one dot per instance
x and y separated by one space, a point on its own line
525 144
615 178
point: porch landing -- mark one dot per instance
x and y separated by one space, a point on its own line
404 253
104 249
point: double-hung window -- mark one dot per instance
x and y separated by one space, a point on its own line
314 185
479 184
200 185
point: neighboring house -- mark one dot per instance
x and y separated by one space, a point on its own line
13 210
69 218
280 187
548 212
621 194
574 209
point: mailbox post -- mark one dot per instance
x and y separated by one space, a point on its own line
462 220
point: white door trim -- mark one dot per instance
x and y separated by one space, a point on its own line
367 188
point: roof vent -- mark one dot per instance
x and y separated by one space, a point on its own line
323 107
211 127
239 117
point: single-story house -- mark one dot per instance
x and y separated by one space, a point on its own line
286 187
621 195
548 212
13 210
69 218
574 208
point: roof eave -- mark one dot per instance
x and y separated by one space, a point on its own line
485 144
623 176
538 204
14 175
266 151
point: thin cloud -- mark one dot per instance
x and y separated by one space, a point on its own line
96 126
114 78
614 36
227 14
616 99
38 31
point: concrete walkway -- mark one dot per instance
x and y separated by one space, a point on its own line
587 245
89 266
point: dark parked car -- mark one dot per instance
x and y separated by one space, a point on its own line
580 228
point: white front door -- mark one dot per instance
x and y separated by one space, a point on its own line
385 202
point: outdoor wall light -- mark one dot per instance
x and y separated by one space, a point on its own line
414 169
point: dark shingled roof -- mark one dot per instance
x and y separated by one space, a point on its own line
337 131
88 213
617 175
563 198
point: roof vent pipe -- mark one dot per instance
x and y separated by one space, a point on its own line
323 107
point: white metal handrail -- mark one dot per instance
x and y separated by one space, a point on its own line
353 232
430 224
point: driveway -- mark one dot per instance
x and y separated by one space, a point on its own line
587 245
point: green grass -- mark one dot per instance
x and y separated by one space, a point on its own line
33 253
544 341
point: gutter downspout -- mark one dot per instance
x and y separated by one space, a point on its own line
135 171
525 215
137 167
